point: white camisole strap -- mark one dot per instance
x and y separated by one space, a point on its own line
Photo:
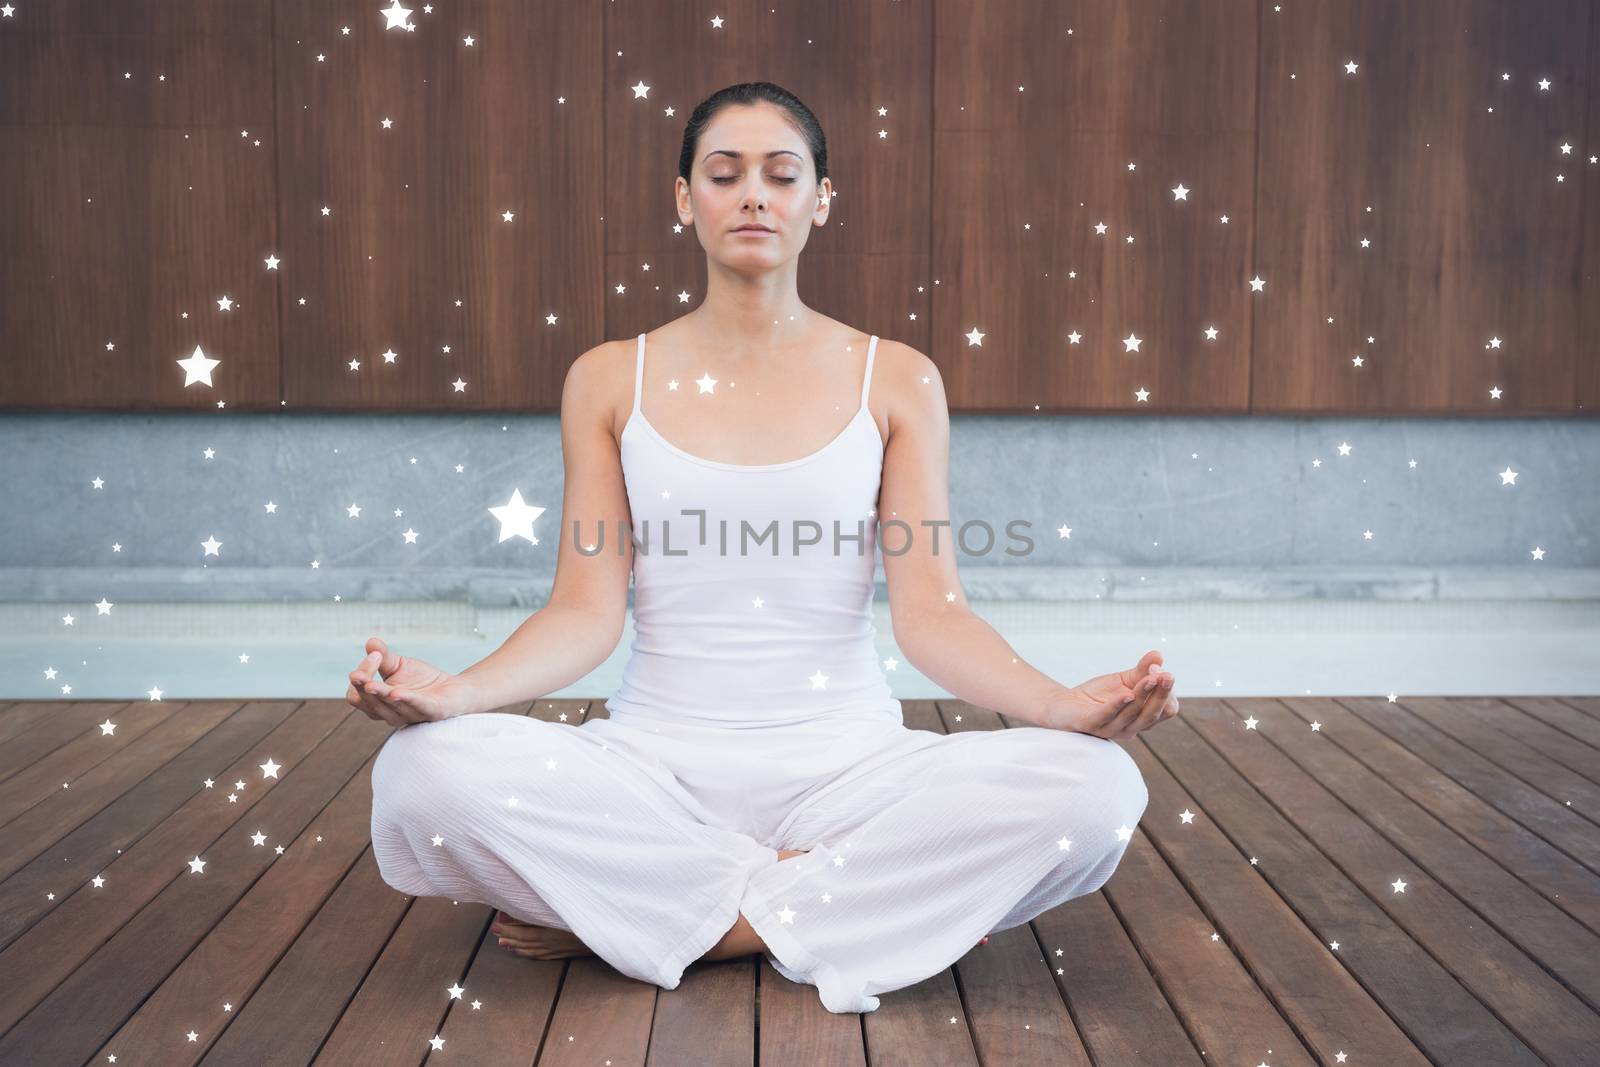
866 379
638 377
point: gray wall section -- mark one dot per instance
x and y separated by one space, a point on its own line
1173 500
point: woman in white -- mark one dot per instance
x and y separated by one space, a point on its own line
753 788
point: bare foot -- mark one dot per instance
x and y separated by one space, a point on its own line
536 942
552 943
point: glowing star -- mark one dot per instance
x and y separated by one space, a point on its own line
437 840
516 518
455 991
437 1042
258 839
1257 284
107 728
786 915
707 383
192 1036
1508 477
212 546
197 865
1063 844
1250 723
269 769
1131 343
197 368
397 17
1398 886
98 881
974 337
1186 815
155 693
819 680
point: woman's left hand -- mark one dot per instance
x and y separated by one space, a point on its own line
1117 705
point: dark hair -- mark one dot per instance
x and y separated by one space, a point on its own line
799 116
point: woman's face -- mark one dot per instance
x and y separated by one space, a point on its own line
752 166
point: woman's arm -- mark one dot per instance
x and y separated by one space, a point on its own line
936 630
582 621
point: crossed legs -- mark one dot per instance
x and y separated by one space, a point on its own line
915 854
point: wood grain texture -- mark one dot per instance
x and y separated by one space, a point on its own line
1062 178
1262 929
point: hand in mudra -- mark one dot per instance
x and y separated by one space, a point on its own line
402 689
1118 705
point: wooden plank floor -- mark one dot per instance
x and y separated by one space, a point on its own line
1351 881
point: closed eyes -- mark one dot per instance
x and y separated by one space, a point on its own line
785 181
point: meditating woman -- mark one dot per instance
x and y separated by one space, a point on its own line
753 788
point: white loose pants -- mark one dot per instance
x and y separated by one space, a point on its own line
648 838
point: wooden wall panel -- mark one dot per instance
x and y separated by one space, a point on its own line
865 71
1096 113
1582 169
137 160
137 63
1451 173
415 256
974 149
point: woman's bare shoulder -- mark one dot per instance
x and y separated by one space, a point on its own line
910 384
599 385
901 359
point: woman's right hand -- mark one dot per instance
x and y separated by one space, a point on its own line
409 690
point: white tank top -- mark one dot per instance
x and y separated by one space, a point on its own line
755 613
